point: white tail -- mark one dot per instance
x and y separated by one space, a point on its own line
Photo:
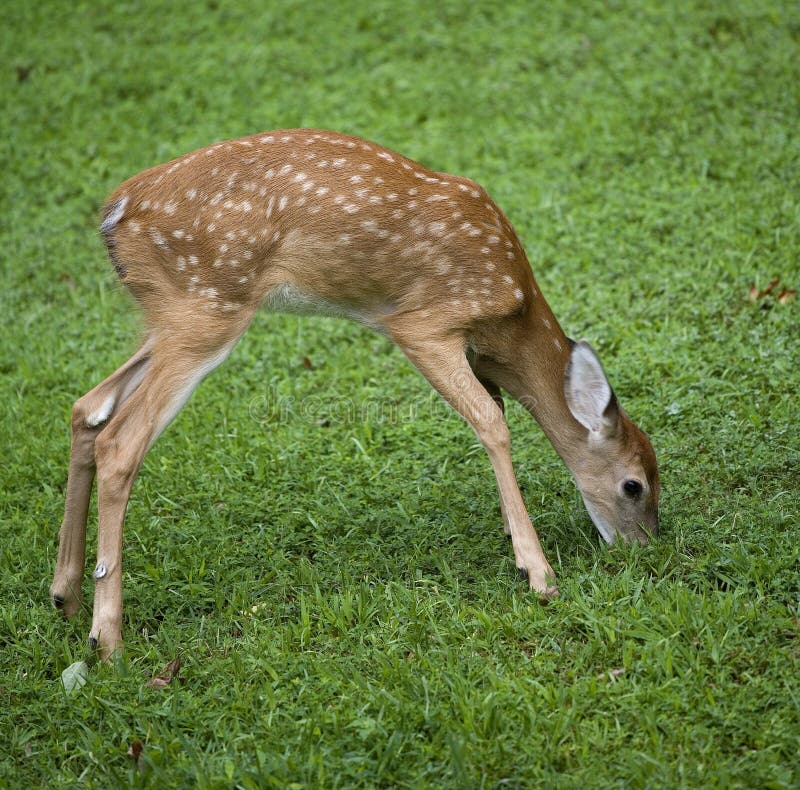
314 221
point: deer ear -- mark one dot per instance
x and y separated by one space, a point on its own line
587 391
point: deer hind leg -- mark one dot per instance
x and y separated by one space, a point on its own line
90 415
172 376
445 366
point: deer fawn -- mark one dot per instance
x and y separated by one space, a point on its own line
318 222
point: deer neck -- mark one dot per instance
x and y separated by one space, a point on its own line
533 374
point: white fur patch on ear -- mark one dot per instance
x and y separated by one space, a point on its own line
586 387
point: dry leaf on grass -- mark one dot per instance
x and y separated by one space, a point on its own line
166 676
783 297
135 753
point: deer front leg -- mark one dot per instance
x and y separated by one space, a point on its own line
497 397
476 362
445 366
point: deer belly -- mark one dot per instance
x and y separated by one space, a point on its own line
288 298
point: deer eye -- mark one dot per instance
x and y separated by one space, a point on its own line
632 488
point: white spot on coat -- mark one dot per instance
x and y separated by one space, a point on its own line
158 239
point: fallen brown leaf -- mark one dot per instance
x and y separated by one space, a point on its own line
166 676
307 363
135 753
782 298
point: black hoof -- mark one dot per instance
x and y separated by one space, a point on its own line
58 602
523 574
92 643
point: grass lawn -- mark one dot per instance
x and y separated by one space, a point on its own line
317 537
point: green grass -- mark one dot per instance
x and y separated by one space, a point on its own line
649 157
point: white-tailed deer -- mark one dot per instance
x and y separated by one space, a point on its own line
318 222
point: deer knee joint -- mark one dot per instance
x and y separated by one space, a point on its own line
88 413
79 415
